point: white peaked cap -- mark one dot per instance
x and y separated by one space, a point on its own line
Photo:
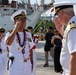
18 13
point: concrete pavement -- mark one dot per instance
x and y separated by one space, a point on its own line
40 70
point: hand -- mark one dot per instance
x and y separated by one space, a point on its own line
59 26
3 35
17 24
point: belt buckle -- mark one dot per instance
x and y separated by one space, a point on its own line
25 60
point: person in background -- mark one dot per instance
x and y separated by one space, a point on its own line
20 45
35 40
3 52
66 17
30 29
48 47
57 43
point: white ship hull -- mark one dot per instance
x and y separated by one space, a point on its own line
8 24
32 14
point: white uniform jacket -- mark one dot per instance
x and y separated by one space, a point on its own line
19 67
68 44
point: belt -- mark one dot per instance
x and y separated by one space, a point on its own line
25 60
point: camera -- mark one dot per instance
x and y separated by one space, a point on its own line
0 50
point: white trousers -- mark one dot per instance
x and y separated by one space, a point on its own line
20 68
3 60
65 73
34 62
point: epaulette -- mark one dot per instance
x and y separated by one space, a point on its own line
69 27
10 31
72 25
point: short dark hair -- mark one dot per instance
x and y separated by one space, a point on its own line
50 28
29 27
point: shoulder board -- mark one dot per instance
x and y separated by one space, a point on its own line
72 25
69 27
10 31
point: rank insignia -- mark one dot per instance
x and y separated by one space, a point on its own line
72 25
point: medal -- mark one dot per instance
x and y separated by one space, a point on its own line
18 48
23 45
23 51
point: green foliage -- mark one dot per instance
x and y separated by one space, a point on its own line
44 24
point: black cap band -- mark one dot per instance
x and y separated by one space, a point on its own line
2 30
22 15
57 9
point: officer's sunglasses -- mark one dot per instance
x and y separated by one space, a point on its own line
21 19
1 31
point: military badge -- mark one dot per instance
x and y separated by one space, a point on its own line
28 38
23 13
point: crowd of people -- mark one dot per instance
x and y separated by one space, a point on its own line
19 44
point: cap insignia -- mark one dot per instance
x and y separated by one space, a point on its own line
23 13
57 9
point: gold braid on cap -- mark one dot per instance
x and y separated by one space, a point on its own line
56 10
22 15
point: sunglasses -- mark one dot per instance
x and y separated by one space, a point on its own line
21 18
1 31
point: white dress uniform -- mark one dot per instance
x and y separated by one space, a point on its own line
19 67
69 45
3 57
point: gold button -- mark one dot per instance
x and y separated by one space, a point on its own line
18 48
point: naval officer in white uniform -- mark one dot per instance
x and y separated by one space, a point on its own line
20 44
65 17
3 52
